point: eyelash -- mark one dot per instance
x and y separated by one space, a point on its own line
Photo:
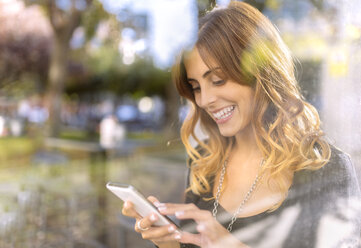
217 83
196 89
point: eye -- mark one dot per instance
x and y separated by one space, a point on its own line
196 89
219 82
195 86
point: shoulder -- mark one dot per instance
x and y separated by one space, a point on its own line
339 168
337 176
335 195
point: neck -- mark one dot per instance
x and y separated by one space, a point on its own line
245 142
245 153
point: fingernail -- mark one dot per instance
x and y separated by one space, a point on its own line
171 229
179 213
201 228
178 236
157 204
153 217
161 209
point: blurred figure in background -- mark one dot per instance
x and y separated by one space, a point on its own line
112 133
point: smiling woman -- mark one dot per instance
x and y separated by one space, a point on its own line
271 119
227 102
266 176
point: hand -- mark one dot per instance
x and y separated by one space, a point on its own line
211 233
164 235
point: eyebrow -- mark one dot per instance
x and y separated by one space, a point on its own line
206 73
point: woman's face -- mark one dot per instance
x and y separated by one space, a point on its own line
227 102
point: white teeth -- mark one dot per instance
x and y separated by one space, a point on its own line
223 113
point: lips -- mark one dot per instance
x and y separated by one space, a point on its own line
223 114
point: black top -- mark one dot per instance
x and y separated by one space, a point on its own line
322 210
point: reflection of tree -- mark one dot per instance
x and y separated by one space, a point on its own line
261 5
319 4
24 45
107 72
64 20
205 5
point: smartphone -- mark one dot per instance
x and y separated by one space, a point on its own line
144 207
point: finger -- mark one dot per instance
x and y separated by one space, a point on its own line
173 237
195 214
189 238
185 211
171 208
212 230
177 205
168 238
146 222
160 233
154 200
129 210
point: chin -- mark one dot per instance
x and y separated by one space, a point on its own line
227 133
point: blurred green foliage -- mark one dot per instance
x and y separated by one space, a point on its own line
77 134
90 19
16 148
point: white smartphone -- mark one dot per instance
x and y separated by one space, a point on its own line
144 207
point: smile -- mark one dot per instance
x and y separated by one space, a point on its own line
223 114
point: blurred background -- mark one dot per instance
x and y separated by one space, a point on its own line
86 98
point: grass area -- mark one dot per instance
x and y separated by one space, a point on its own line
14 148
82 135
145 135
19 150
45 196
78 135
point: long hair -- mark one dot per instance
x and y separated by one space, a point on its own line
249 50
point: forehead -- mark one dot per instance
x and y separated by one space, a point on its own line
194 64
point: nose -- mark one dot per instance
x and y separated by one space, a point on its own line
207 97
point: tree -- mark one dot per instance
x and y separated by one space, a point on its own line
64 18
24 49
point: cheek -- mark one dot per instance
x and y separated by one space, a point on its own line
249 110
246 106
197 100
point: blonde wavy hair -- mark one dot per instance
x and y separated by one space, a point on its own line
249 50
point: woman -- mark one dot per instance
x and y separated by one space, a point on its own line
265 177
